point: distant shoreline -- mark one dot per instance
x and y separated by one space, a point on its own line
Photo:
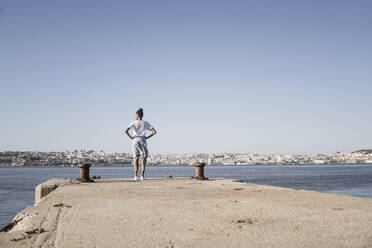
72 158
179 165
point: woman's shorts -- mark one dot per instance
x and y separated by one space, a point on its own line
139 147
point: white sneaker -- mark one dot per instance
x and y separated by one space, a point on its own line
142 178
135 178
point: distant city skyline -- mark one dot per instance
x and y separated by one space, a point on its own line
212 76
70 158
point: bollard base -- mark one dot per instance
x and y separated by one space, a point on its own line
200 178
84 180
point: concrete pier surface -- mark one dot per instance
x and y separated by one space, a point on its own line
183 212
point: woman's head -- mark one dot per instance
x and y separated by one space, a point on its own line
139 114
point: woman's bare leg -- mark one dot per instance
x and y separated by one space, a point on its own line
143 166
135 165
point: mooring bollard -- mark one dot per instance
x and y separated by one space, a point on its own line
199 171
84 172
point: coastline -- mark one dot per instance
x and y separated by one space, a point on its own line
70 158
186 165
182 212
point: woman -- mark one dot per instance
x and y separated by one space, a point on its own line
139 144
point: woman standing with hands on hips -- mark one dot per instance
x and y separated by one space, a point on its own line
139 144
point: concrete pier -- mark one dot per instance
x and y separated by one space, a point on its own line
45 188
184 212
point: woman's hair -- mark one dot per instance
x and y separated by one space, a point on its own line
140 112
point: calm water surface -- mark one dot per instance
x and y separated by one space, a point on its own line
17 183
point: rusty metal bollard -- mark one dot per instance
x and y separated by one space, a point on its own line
84 172
199 171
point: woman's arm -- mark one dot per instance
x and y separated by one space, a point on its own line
153 133
127 132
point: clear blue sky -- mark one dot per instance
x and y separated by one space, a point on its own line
212 76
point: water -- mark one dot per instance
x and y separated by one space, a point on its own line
17 184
